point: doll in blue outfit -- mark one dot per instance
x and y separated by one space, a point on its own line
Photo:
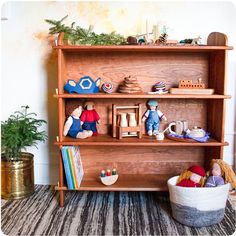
72 125
153 117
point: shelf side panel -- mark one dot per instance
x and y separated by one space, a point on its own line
216 119
61 71
61 117
217 74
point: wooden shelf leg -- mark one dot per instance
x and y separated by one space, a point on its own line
62 198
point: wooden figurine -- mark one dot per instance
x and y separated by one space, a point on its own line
108 178
188 87
130 85
192 41
189 84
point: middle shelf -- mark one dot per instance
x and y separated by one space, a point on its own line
143 95
107 140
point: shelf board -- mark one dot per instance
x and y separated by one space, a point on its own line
126 182
143 48
107 140
143 95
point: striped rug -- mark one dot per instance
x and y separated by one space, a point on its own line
100 213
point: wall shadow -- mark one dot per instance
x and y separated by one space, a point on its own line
52 111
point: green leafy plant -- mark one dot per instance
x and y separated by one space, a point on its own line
20 131
78 35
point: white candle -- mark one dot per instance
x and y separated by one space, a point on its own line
147 28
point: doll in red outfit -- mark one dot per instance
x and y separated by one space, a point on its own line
89 118
193 177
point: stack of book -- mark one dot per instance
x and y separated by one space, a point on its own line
73 166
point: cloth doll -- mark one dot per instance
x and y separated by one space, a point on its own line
153 116
192 177
220 173
89 118
72 125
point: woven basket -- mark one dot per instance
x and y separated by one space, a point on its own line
197 207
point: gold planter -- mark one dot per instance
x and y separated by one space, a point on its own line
17 177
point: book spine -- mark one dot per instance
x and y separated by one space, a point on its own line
78 164
70 166
71 155
67 168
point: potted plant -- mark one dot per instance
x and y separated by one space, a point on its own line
19 131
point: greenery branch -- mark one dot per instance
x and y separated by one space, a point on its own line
78 35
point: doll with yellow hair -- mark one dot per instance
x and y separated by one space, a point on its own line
220 173
192 177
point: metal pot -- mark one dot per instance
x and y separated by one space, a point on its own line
17 177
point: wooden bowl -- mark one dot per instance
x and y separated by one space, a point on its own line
109 180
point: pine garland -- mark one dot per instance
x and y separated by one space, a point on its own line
79 35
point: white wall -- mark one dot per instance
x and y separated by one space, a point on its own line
29 71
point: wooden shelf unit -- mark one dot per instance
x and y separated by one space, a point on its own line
145 164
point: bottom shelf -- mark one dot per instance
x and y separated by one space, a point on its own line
127 182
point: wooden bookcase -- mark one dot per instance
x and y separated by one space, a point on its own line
145 164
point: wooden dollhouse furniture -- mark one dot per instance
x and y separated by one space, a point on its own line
117 130
145 164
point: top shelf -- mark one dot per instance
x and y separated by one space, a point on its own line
142 48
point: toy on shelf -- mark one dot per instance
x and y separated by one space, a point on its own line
130 85
153 116
159 88
132 40
220 173
85 85
180 127
189 84
107 87
192 177
188 87
72 125
182 133
193 41
109 178
196 132
89 118
160 135
122 129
